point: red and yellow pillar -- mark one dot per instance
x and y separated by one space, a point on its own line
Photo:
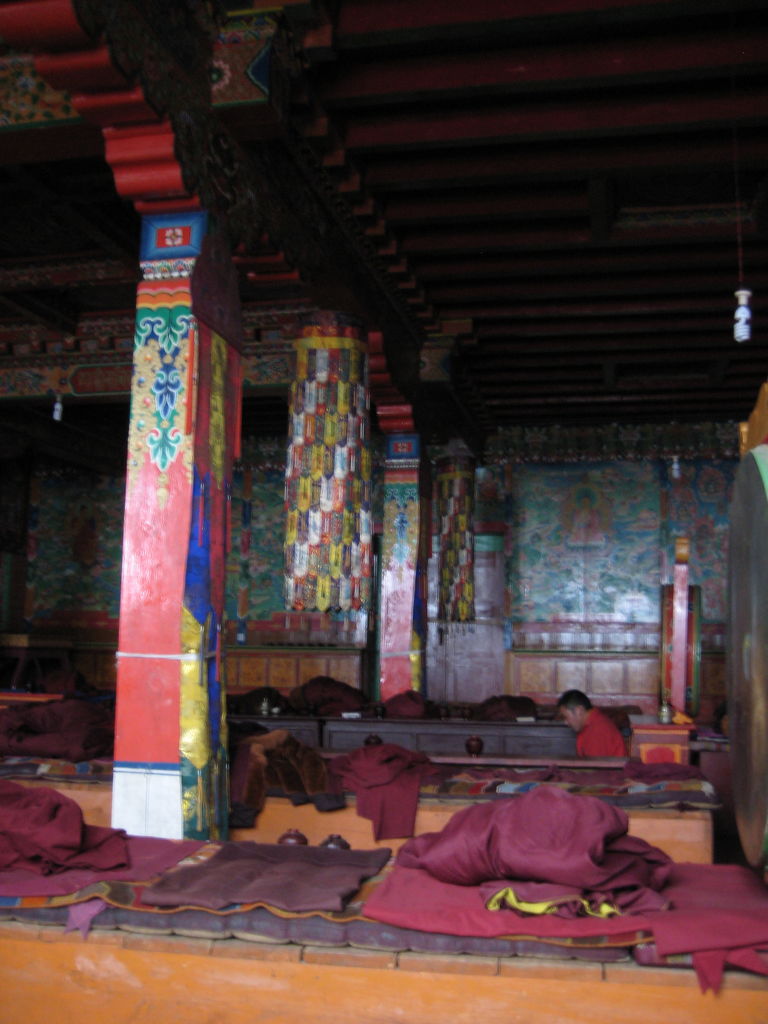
170 773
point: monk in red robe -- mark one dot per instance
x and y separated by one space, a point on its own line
596 734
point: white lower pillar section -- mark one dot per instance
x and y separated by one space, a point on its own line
146 800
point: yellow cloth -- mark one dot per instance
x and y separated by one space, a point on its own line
679 718
507 898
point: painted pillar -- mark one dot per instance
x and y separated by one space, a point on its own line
455 509
328 541
170 774
679 659
402 625
402 604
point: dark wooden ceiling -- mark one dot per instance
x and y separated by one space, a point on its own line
570 188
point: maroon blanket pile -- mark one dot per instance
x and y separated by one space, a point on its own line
47 850
43 831
548 845
72 730
442 882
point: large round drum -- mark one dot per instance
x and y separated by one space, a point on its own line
747 661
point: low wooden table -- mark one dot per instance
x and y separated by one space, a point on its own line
449 736
10 697
28 651
305 729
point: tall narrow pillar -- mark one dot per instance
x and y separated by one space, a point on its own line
328 541
455 509
405 538
402 604
170 774
675 653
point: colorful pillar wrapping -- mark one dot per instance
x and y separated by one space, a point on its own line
455 509
328 542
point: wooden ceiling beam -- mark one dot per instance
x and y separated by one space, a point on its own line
466 205
657 391
488 238
575 331
545 66
495 366
497 349
590 118
512 266
555 289
393 22
566 160
625 309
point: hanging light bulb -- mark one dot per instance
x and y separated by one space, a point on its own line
58 409
742 326
674 471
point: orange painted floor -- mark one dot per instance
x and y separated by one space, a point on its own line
125 978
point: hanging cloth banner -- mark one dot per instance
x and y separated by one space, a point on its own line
328 540
455 510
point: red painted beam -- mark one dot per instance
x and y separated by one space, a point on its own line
144 163
528 121
564 64
115 109
90 70
40 26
